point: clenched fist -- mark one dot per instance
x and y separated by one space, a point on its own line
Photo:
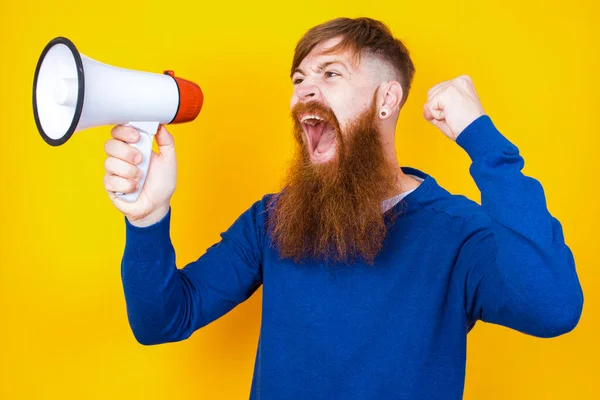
453 105
122 175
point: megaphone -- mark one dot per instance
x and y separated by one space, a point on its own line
72 92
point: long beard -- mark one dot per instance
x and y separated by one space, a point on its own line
333 211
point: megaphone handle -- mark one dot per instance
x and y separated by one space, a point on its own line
147 131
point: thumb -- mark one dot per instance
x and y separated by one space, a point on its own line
165 141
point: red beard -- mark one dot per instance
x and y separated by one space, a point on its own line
332 211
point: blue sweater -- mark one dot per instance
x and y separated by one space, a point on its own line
397 330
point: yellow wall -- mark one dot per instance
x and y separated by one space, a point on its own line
63 327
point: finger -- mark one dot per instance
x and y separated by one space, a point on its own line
116 148
434 88
113 183
437 89
426 113
432 111
163 137
166 143
125 133
123 169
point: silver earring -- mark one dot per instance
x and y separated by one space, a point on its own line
383 112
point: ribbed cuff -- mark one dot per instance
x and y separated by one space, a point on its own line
481 137
148 243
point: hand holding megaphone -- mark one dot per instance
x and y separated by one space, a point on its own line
72 92
123 173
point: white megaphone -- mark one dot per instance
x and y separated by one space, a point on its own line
72 92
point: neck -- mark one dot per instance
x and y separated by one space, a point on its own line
403 182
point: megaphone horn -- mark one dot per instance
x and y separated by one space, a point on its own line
72 92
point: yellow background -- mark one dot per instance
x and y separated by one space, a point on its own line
63 326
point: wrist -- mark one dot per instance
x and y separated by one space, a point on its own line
150 219
481 138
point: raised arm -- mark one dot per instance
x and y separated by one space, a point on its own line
518 270
521 274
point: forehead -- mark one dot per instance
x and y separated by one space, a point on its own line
320 54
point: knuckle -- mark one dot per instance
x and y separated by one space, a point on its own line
113 148
119 131
106 181
465 80
120 150
127 134
113 183
108 163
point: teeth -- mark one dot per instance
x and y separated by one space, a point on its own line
313 119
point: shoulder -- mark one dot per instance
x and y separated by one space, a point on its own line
258 211
454 216
456 207
250 227
470 228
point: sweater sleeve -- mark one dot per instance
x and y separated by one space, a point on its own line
167 304
521 274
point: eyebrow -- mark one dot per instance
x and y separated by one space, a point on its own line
323 65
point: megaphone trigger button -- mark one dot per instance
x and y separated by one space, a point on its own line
170 73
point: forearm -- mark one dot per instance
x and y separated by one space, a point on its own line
511 198
153 287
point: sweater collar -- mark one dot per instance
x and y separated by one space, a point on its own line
414 199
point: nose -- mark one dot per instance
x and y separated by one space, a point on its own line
307 92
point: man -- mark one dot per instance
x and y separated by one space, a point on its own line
372 273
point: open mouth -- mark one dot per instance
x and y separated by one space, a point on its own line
320 135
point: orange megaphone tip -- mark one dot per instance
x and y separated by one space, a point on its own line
190 100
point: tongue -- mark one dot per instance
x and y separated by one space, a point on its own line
325 141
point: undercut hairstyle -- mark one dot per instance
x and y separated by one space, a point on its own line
361 36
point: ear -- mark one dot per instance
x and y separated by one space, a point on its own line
388 99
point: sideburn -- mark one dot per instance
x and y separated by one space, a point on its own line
332 212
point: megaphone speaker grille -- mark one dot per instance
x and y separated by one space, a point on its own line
58 91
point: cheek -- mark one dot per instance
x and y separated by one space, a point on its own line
342 106
348 112
352 107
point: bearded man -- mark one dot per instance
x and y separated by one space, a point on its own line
372 273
